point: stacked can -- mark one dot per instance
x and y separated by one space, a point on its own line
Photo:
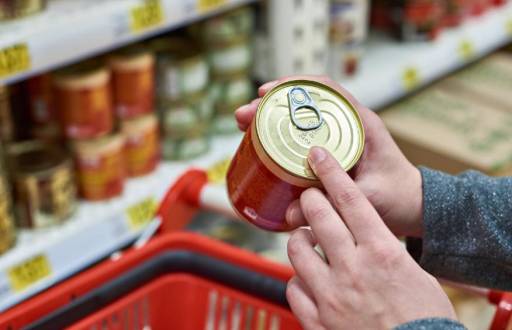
44 125
7 228
184 105
133 71
348 31
227 40
6 120
83 102
15 9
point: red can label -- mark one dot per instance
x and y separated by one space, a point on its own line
133 92
142 152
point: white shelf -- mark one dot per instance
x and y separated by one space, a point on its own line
390 69
97 229
69 31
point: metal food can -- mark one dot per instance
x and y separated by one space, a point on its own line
7 228
182 70
83 101
100 167
6 120
183 119
223 29
12 9
42 176
49 133
231 59
455 12
228 95
133 82
186 147
417 20
142 147
41 99
270 168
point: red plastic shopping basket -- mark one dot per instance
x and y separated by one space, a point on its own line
177 281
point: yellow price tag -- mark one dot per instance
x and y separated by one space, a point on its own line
205 5
410 78
141 213
466 50
29 272
14 59
147 15
217 172
508 26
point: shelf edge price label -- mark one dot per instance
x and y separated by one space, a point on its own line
508 26
217 172
145 16
14 59
466 50
410 78
206 5
141 213
28 272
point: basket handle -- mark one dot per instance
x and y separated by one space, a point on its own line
236 277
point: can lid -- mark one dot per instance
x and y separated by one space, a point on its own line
299 114
35 158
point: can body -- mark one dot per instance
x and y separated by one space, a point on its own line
133 84
6 120
232 58
7 229
270 170
13 9
44 185
142 147
100 167
84 104
41 99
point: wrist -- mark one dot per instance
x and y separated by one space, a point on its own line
414 198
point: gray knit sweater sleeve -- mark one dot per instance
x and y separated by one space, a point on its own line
467 222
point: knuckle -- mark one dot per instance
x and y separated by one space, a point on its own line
387 256
294 245
345 196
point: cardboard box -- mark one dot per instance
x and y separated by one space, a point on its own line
489 80
451 133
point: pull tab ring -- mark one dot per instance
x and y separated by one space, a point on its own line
299 98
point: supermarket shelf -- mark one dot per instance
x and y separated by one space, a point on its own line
391 70
69 31
96 231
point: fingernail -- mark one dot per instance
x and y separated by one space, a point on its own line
269 84
316 155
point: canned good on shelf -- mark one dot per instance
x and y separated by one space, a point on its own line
6 120
142 148
13 9
228 94
455 12
133 82
181 119
100 167
83 101
223 29
418 20
50 133
224 124
7 229
186 147
181 69
41 99
348 31
231 59
269 169
43 181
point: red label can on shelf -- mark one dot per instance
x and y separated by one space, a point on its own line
142 148
41 99
270 168
133 82
100 167
83 101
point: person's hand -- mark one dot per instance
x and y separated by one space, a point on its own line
386 177
369 281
